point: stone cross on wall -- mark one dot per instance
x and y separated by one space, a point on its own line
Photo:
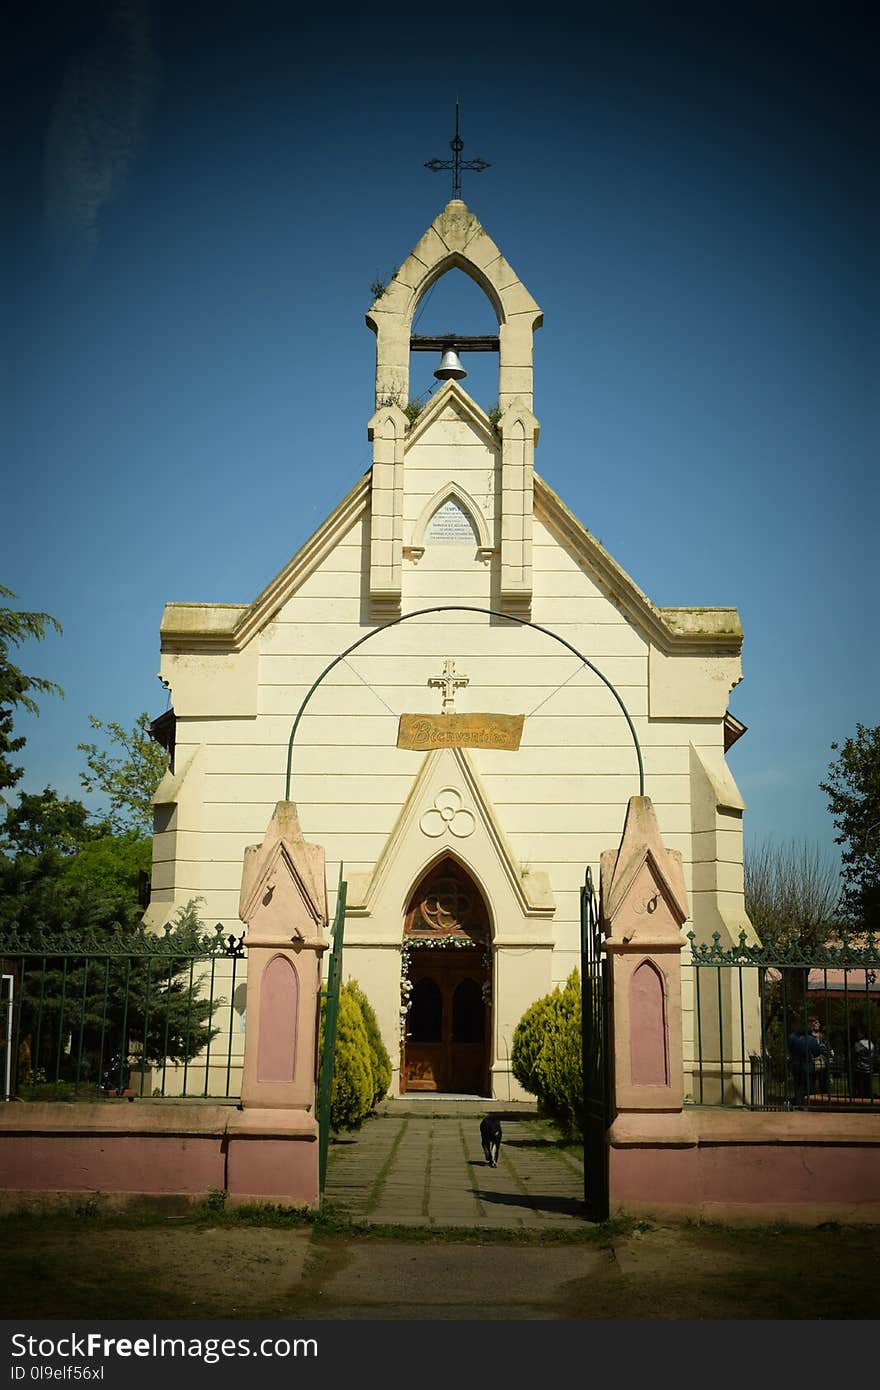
449 682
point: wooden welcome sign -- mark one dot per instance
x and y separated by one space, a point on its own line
426 731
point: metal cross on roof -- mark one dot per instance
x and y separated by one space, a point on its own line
449 682
456 164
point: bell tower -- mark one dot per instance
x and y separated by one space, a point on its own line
455 240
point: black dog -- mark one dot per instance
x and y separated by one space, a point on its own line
490 1138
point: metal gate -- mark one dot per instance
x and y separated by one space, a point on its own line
594 1035
330 1009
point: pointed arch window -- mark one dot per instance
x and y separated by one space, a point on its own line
447 903
451 510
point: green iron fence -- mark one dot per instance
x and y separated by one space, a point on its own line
777 1028
136 1012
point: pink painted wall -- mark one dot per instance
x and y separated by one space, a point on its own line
110 1163
159 1150
739 1164
802 1184
260 1170
798 1174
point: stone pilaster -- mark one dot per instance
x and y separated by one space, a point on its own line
386 431
519 435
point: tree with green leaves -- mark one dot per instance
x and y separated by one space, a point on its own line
16 688
46 823
61 866
853 791
61 869
89 999
126 772
65 876
103 986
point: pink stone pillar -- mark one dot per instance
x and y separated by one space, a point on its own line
284 903
643 905
272 1142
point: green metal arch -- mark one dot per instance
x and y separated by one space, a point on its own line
461 608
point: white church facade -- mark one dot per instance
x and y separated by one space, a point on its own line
463 765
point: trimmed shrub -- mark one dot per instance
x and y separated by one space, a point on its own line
361 1065
381 1062
528 1039
560 1070
546 1056
351 1094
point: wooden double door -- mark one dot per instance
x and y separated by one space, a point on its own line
448 1025
446 1047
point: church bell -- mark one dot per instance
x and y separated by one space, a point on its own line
450 368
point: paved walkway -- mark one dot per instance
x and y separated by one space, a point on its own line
419 1162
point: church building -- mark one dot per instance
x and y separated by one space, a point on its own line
502 685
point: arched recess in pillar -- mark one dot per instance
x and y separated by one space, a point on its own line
279 1019
649 1043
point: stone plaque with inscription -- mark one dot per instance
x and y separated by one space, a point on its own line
426 731
450 525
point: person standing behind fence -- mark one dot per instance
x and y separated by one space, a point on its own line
803 1049
822 1063
863 1064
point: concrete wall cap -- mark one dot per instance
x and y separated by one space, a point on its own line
701 1126
141 1116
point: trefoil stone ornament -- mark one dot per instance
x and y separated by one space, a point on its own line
448 813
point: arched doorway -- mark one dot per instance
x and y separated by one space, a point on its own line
447 956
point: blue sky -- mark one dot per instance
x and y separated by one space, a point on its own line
201 196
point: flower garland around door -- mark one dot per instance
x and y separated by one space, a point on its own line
437 943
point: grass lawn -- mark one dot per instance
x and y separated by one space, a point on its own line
266 1262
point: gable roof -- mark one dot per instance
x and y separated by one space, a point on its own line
230 627
454 397
678 630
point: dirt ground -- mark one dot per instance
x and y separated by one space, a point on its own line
81 1267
